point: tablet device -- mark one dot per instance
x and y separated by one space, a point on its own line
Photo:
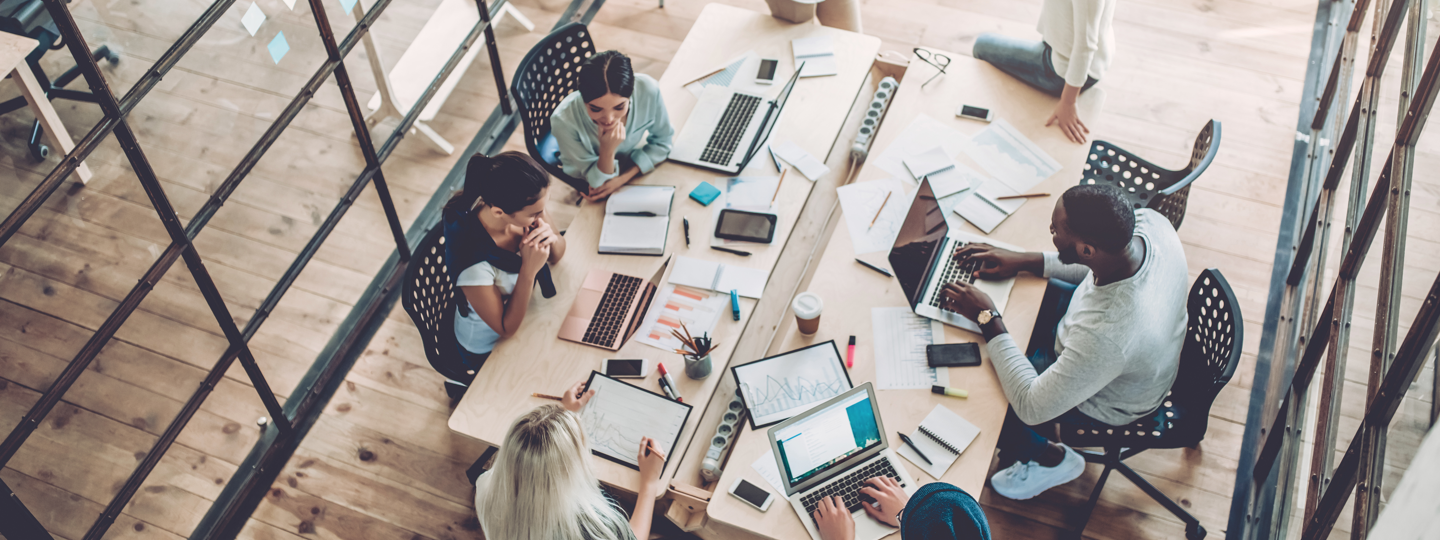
620 414
781 386
747 226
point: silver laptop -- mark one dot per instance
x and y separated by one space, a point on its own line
727 128
923 261
831 450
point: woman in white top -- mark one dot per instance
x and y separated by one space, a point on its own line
1075 50
613 128
498 241
543 488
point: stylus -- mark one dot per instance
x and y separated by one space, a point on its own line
875 268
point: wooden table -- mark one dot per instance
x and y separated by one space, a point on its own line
535 360
13 50
837 278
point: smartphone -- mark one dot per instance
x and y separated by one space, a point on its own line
977 113
748 226
766 73
752 494
626 369
953 354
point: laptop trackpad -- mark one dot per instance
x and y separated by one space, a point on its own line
868 528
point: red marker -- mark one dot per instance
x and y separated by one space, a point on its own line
850 354
667 381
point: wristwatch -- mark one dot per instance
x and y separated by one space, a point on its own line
986 316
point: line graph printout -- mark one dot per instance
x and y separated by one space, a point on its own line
1009 156
620 414
859 203
785 385
900 340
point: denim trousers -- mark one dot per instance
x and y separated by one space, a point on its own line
1024 59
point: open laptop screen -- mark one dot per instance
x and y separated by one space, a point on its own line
827 437
920 235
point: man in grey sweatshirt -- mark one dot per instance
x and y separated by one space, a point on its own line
1116 338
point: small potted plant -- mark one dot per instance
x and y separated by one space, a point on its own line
696 352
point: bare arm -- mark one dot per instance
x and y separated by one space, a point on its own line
503 317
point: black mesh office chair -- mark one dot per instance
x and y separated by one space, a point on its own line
1207 361
548 73
429 300
1148 186
29 18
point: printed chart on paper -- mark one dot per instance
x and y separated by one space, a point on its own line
778 388
620 414
1007 155
697 310
900 340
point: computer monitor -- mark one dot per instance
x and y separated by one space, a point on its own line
913 255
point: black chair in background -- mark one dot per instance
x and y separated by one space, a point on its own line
1207 361
429 300
29 18
1148 186
548 73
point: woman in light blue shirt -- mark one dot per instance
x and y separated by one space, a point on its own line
614 129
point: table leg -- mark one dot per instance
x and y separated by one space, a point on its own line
49 121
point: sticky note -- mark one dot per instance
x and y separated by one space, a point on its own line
253 18
290 4
347 5
278 47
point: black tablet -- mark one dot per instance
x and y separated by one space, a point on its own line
621 413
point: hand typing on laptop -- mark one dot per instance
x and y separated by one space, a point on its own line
836 523
1000 263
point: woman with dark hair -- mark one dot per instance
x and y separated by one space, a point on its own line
614 129
498 235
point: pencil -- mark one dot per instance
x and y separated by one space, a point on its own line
777 185
881 209
697 79
1025 196
546 396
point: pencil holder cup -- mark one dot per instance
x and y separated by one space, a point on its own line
698 368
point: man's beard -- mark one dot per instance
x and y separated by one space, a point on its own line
1068 256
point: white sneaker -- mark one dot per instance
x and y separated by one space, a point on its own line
1025 480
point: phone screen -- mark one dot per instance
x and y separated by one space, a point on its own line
752 493
976 112
767 70
745 225
623 368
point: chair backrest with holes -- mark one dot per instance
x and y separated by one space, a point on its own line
549 72
1208 359
428 299
1148 186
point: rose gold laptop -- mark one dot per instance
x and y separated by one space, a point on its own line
609 307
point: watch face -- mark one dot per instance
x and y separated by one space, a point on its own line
984 317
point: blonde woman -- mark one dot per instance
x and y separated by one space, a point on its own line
542 487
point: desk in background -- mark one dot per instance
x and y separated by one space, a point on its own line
535 360
837 278
13 50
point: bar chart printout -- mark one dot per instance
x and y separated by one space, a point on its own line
698 309
782 386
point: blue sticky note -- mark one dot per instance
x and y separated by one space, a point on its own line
347 5
278 47
704 193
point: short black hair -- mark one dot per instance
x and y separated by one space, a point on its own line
509 181
1100 215
605 73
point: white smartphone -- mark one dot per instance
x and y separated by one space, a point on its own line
626 369
752 494
766 73
977 113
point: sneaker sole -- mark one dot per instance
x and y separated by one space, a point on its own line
1064 480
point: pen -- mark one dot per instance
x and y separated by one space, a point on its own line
878 210
953 392
734 251
546 396
850 354
1025 196
734 305
668 382
774 158
875 268
911 443
686 222
636 214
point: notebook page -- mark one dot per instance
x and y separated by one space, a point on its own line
947 425
633 232
653 199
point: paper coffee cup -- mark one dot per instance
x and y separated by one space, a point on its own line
807 307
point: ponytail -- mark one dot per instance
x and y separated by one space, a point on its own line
509 181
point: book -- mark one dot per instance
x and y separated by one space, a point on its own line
942 436
637 220
747 282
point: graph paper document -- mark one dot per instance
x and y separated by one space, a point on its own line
697 310
900 340
784 385
620 414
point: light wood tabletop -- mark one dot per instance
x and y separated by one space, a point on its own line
850 291
535 360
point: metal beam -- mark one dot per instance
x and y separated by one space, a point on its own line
16 521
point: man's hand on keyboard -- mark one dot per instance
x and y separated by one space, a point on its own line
965 299
999 263
889 497
834 520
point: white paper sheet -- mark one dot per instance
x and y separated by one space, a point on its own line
769 470
900 340
923 133
253 18
983 208
859 202
698 309
620 414
817 54
1007 155
714 276
807 164
946 176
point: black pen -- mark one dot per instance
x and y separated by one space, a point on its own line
907 440
875 268
686 222
735 251
774 159
636 214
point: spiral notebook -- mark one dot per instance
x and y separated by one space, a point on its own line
942 436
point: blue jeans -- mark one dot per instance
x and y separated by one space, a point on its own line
1018 441
1023 59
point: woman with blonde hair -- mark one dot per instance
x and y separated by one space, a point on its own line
542 487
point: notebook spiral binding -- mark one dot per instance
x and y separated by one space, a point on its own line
939 440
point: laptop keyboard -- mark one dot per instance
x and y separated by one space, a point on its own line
954 271
609 318
726 136
848 487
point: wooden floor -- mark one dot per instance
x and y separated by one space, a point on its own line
381 462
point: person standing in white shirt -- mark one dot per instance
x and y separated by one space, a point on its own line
1075 50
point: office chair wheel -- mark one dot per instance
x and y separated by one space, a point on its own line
39 151
1194 531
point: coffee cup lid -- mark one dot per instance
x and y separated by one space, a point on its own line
807 305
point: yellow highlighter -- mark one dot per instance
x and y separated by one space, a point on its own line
953 392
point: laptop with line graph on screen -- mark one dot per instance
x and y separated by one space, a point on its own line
776 388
